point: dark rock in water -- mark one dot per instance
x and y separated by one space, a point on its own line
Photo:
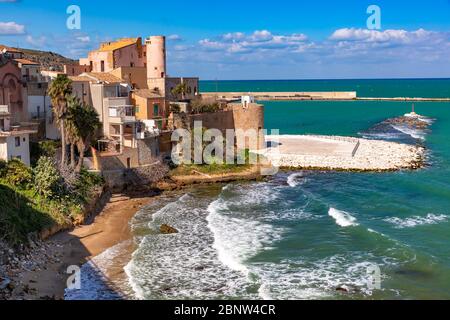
166 229
341 289
406 129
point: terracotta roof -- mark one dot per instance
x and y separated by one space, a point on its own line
80 79
25 61
147 93
9 49
121 43
105 77
101 77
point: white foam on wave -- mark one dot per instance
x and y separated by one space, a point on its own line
95 280
237 239
383 136
342 218
183 265
295 279
414 133
295 180
414 221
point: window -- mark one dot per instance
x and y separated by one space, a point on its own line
2 124
155 109
17 141
132 64
102 67
137 109
91 64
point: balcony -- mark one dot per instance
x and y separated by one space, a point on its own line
121 114
4 109
7 129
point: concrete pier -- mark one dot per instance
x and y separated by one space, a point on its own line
302 96
341 153
351 95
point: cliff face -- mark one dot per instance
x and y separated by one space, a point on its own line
48 60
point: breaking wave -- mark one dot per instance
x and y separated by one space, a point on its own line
342 218
416 221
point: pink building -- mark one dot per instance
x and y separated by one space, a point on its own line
128 52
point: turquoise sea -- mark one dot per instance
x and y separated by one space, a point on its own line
310 235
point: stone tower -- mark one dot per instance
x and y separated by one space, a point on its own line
156 57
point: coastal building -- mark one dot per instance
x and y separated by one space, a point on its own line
150 105
136 77
15 131
12 53
127 52
76 69
157 78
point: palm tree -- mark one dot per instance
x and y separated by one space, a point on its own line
71 130
59 91
180 89
83 122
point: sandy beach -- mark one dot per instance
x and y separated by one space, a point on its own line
78 246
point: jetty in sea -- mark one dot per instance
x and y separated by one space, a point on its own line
301 96
340 153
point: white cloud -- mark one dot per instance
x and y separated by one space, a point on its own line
174 37
346 52
395 36
38 43
84 39
11 28
260 40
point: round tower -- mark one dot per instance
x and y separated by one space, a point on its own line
156 57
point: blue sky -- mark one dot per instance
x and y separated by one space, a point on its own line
251 39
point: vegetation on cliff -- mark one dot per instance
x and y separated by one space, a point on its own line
39 198
54 191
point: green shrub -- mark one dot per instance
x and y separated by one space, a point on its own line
47 178
2 167
17 174
85 184
47 148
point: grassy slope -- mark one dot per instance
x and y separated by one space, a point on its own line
21 214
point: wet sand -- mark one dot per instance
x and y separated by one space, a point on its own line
78 246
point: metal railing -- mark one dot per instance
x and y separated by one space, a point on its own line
356 149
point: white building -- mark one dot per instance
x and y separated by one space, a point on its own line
14 140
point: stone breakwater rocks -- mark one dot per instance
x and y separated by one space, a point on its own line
336 153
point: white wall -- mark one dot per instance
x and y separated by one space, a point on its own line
3 149
38 101
8 149
51 129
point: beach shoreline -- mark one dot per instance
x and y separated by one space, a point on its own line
77 247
